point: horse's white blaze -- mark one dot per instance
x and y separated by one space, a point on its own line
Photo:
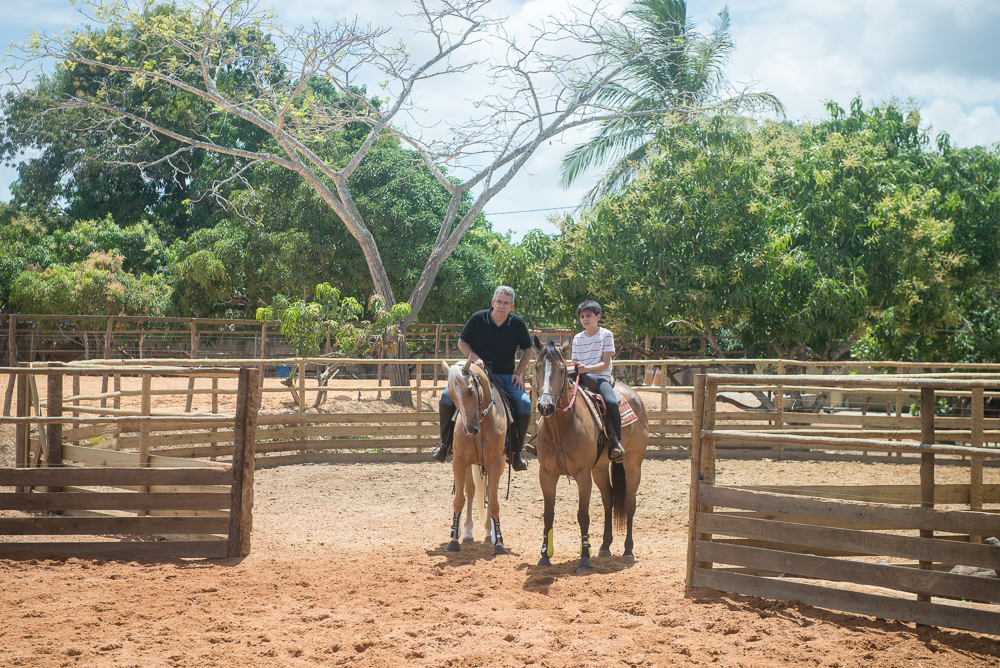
547 378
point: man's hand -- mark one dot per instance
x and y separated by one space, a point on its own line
480 363
517 380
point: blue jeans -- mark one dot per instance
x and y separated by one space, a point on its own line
519 401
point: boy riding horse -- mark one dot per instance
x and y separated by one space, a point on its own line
492 337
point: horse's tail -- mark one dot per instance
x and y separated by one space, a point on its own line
618 495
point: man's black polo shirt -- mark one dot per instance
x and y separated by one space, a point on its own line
496 345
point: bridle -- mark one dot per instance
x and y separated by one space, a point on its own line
565 386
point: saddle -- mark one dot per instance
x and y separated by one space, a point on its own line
595 402
497 388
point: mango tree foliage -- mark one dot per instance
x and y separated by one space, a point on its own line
97 285
234 59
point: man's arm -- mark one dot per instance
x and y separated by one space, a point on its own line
518 377
469 353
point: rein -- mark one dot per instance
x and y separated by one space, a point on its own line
576 388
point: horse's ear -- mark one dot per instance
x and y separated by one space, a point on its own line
538 343
465 369
445 364
567 350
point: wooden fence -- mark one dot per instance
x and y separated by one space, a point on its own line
99 490
818 545
312 433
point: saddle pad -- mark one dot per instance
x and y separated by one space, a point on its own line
628 415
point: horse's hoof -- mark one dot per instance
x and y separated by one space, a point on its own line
580 570
603 553
628 558
584 565
499 549
544 561
454 546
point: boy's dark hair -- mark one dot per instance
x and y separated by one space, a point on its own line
589 305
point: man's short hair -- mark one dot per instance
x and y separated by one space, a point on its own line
589 305
504 290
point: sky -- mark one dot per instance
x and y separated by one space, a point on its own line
942 55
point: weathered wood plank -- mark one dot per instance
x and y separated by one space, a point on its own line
864 542
935 519
943 494
111 501
240 521
841 570
92 526
202 549
112 477
933 614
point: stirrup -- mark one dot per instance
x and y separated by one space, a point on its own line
615 446
531 449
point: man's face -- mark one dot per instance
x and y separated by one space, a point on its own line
502 305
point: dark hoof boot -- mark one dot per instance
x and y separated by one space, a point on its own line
454 546
544 561
440 453
499 549
628 558
584 566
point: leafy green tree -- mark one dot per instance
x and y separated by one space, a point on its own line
97 285
679 80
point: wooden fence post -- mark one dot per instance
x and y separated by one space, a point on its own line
118 404
926 467
976 463
697 422
194 355
263 354
54 408
241 509
302 407
215 410
437 355
663 391
22 432
76 402
779 394
107 355
11 361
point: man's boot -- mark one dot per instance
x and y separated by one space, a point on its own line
445 415
516 441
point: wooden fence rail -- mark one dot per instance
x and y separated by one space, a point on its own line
205 508
806 543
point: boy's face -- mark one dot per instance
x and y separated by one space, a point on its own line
589 319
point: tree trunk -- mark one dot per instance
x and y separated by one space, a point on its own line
399 375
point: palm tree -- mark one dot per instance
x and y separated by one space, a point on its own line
683 75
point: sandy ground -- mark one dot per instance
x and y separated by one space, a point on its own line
349 568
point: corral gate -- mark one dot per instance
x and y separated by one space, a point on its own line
208 505
805 544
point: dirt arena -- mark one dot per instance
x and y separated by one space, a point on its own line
349 568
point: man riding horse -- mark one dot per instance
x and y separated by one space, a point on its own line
491 338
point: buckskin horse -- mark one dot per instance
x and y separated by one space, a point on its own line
480 430
567 443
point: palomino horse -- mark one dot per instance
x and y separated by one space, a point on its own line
567 443
480 430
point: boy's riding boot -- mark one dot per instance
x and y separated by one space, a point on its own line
615 450
521 423
445 415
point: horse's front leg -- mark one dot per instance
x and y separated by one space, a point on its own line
493 532
473 495
548 481
585 485
602 478
460 469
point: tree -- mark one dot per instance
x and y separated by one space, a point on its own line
232 58
678 82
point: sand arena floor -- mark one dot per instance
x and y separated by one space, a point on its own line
349 568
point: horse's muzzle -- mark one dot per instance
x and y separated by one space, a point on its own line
472 429
546 407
